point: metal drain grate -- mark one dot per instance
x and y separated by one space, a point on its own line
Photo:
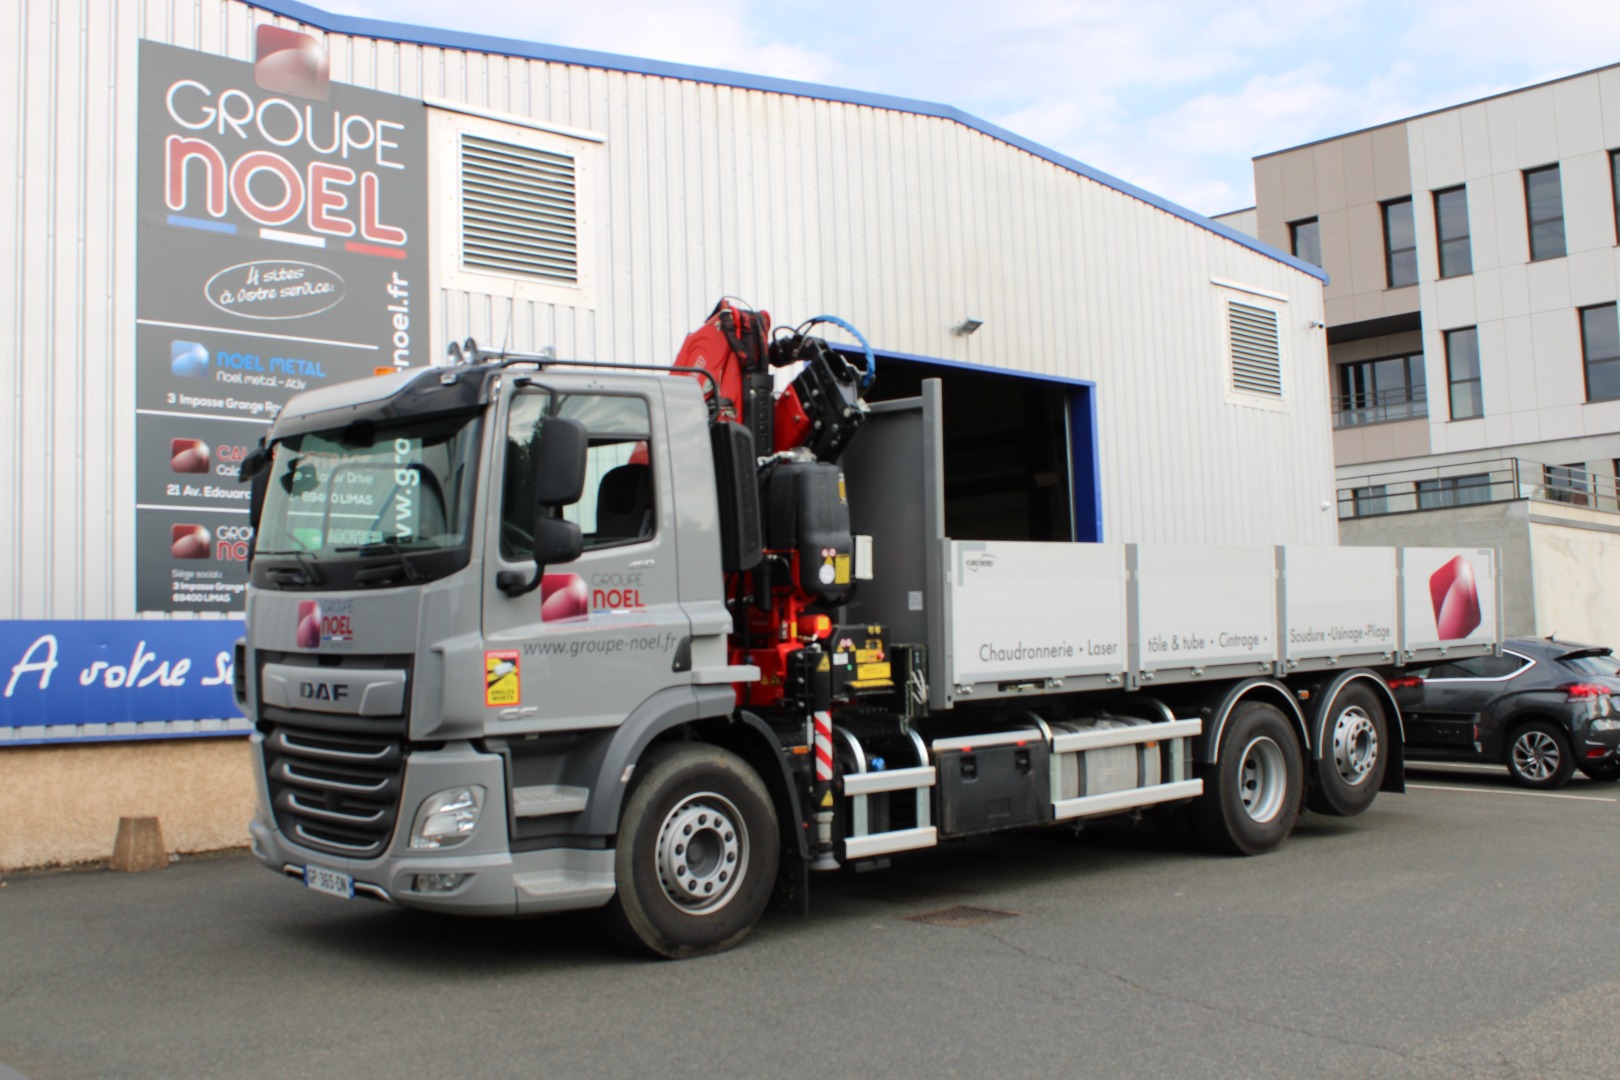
960 916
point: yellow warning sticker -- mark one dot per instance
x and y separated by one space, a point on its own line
841 570
826 800
502 685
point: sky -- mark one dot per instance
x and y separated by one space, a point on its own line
1175 96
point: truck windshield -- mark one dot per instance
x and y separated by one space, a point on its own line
374 491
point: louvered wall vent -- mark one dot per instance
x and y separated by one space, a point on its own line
1256 352
518 210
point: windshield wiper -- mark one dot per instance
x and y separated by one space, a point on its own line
385 572
305 573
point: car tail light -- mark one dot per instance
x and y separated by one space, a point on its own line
1597 752
1404 682
1586 690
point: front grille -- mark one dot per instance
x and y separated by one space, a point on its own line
335 780
335 791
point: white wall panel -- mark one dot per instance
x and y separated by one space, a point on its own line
903 224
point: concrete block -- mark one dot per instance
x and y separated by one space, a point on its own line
139 845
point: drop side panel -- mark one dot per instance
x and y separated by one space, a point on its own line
895 472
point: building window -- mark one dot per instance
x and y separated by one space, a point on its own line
1600 347
1614 188
1544 206
1462 373
1451 230
1369 501
1306 238
1400 243
1567 483
1377 391
1454 491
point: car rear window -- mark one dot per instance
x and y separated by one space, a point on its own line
1474 667
1604 667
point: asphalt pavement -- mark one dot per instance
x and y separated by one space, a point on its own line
1464 929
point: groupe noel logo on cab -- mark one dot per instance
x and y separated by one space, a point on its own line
318 626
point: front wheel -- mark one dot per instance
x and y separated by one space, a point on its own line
1355 752
1251 800
1539 756
697 854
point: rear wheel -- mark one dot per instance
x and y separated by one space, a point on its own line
697 854
1539 755
1256 784
1355 752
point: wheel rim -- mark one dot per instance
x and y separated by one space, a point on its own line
702 850
1262 779
1355 744
1535 755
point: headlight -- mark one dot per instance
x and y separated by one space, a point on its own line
447 818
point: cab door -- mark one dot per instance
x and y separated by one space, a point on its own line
601 634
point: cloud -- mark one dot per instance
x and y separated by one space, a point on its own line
1173 96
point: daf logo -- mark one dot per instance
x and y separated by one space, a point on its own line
323 691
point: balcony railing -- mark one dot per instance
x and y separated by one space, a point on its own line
1496 480
1401 403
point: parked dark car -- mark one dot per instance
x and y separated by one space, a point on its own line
1544 708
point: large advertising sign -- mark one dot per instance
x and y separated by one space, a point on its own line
282 247
66 681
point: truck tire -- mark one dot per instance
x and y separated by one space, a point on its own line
1539 755
697 853
1355 751
1251 797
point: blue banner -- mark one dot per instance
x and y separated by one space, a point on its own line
71 681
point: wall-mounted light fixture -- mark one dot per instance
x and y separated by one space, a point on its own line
966 327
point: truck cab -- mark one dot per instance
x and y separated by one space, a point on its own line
434 709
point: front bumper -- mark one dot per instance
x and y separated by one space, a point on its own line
498 881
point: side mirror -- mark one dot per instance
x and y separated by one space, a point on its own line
253 471
563 444
556 541
561 482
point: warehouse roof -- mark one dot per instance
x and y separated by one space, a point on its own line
559 54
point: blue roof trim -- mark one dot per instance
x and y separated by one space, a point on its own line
456 39
960 365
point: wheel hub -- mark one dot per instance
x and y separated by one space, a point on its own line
1355 745
702 849
1535 755
1262 779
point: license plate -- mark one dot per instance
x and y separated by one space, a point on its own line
323 880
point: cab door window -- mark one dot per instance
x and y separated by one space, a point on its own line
618 505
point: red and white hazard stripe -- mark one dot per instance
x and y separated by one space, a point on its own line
824 759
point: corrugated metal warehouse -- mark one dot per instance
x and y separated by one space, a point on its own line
216 204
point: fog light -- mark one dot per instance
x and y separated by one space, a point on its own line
446 818
437 882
